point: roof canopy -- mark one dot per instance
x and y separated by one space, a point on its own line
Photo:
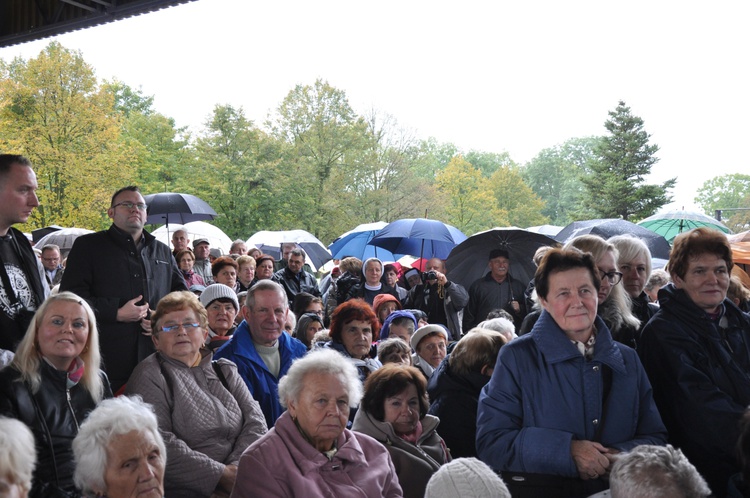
26 20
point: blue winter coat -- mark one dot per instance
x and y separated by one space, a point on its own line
263 385
543 394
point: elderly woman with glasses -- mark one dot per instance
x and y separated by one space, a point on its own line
564 399
206 414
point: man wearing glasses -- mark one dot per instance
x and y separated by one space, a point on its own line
122 272
51 261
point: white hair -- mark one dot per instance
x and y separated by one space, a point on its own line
655 471
321 361
500 324
17 453
113 417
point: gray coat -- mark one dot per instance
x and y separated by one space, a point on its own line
204 425
415 463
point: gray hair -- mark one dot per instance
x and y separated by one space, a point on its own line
321 361
113 417
266 285
655 471
631 248
502 325
17 453
50 247
298 251
658 278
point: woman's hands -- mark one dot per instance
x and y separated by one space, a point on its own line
591 458
226 481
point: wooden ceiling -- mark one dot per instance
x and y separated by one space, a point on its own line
25 20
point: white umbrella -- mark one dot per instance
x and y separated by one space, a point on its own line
63 238
196 230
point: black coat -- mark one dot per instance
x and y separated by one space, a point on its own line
288 281
700 373
62 418
454 401
106 270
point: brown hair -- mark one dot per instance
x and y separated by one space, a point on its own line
475 350
178 257
557 260
390 380
695 243
220 263
175 301
353 309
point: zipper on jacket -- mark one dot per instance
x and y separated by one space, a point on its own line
70 405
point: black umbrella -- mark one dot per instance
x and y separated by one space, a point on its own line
41 232
607 228
172 207
468 260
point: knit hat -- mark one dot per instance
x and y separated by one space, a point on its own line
427 329
467 478
218 291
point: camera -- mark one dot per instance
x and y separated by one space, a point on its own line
429 275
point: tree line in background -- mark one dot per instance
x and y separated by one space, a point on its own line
314 164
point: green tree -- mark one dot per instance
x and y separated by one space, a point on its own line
489 162
555 177
238 173
53 110
469 203
323 132
514 197
726 192
615 187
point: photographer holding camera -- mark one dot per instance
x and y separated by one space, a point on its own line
440 298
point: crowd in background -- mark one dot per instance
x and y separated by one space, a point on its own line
180 372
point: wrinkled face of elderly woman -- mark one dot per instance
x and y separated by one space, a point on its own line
322 409
572 302
432 348
357 338
63 333
135 466
179 335
402 410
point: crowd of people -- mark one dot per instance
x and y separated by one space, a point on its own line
132 368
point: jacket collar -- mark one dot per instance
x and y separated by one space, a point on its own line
557 348
125 237
309 459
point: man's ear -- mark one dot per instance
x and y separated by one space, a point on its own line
111 213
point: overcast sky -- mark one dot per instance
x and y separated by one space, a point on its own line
494 75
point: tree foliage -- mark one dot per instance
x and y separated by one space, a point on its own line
554 175
616 187
53 111
727 192
514 197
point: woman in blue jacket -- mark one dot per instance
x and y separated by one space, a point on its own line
566 398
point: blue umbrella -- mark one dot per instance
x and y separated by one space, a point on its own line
419 236
356 242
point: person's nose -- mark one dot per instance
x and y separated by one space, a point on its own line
34 200
145 471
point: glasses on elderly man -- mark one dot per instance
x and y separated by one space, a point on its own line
614 277
131 205
187 327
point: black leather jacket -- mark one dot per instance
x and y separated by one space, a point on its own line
63 411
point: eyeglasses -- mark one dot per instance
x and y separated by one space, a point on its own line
614 277
319 312
187 327
131 205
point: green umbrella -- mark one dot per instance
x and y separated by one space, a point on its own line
669 224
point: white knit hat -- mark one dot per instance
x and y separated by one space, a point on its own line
218 291
419 334
467 478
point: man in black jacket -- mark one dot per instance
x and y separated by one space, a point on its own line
23 286
294 279
122 272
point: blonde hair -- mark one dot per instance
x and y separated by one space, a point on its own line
28 357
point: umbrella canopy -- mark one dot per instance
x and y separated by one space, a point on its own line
63 238
196 230
468 260
270 243
741 252
669 224
607 228
356 242
41 232
740 237
419 237
173 207
550 230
